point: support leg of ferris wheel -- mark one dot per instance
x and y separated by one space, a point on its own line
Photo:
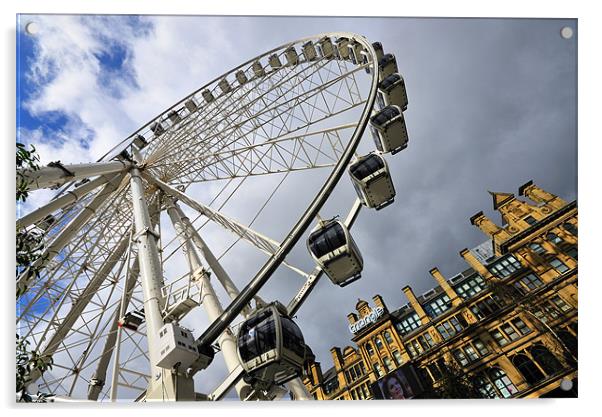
162 385
213 308
56 174
212 261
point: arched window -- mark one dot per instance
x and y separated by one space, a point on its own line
369 349
485 387
554 238
527 368
388 363
545 359
379 343
570 227
502 383
388 337
570 343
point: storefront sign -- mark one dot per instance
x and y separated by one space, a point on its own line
367 320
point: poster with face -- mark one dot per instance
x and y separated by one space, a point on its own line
398 385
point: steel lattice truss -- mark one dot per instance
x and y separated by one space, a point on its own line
294 118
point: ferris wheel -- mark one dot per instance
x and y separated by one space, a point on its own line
130 247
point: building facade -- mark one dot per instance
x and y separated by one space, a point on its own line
507 324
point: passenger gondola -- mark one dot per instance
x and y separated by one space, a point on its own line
140 142
274 62
325 48
258 69
191 105
335 251
224 85
387 65
309 51
174 117
157 128
356 52
271 348
241 77
342 48
291 56
380 52
372 181
389 130
392 91
207 95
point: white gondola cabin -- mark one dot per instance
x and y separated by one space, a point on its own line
131 320
241 77
356 52
380 52
271 348
389 130
191 105
157 128
174 117
258 69
326 48
274 61
291 56
387 65
335 251
372 181
309 51
207 95
140 142
342 48
224 85
392 91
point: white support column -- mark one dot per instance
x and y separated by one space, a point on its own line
219 272
209 300
298 389
163 384
56 174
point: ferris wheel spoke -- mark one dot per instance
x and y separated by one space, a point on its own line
67 233
273 112
312 150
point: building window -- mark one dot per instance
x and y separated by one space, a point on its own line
537 248
426 341
379 343
481 347
527 368
505 266
485 387
388 337
572 252
471 353
528 283
369 349
378 370
570 227
397 358
545 359
388 364
434 371
470 287
558 265
414 348
485 307
560 303
510 332
499 337
450 327
501 382
520 325
438 306
554 238
460 357
331 386
530 220
408 324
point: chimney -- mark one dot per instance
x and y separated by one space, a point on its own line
415 304
451 293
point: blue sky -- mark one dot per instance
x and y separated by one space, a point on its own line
492 105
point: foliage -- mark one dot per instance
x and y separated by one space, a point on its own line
27 361
26 160
29 247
